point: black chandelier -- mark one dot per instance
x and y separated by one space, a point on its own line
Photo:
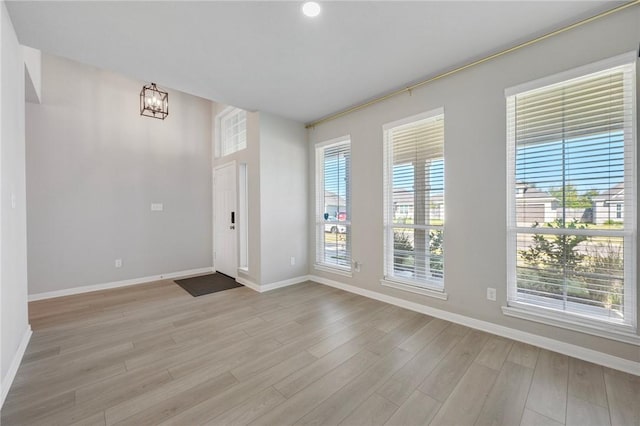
154 102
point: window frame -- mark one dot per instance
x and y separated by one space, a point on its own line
226 114
627 331
432 288
243 217
319 222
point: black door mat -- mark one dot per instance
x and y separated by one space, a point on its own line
207 284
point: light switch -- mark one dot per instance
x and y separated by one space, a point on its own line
13 201
157 207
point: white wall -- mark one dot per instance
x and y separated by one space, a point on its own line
283 198
475 156
94 166
14 328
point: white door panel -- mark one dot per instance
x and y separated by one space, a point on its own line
225 220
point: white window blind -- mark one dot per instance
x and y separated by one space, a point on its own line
572 201
232 131
333 211
414 200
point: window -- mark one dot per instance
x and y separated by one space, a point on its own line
243 216
414 201
571 157
231 131
333 206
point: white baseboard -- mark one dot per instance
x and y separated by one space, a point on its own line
272 286
116 284
284 283
7 381
569 349
250 284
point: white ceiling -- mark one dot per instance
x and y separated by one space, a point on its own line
267 56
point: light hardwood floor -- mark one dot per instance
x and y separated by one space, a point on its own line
307 354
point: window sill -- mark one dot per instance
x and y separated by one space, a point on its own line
333 270
545 316
437 294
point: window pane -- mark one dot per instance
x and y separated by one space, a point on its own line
572 273
424 189
333 214
580 179
418 254
335 251
414 200
336 166
233 131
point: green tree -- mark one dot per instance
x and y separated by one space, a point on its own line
590 194
551 259
558 250
572 198
435 253
403 251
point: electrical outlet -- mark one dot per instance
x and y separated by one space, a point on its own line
293 260
356 266
118 263
491 294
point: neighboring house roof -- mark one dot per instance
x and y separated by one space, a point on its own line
613 194
530 193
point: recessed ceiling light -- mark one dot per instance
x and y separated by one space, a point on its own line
311 9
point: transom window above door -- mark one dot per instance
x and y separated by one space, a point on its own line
231 131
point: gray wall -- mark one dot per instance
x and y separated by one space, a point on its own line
33 77
13 231
94 166
475 155
283 198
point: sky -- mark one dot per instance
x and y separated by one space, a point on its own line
595 162
403 177
590 163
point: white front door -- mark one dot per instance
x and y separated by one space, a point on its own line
225 253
